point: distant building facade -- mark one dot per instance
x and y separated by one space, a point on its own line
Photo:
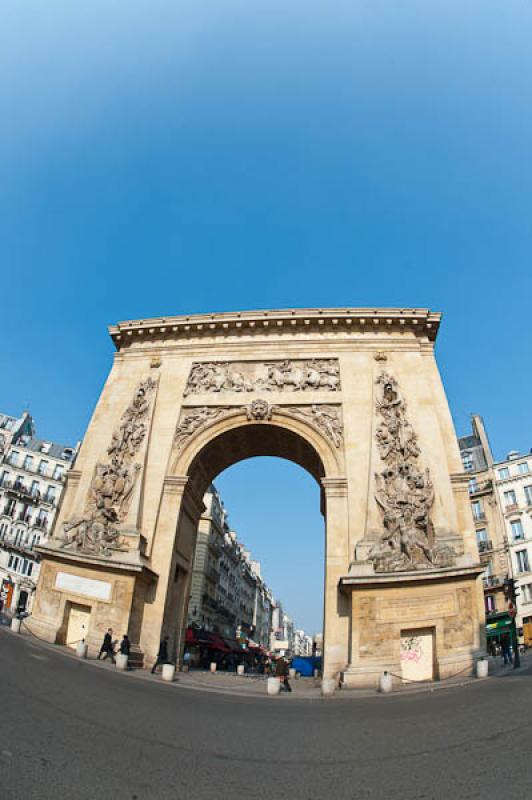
302 643
501 502
32 478
513 481
478 461
228 594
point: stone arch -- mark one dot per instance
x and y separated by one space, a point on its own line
217 445
220 443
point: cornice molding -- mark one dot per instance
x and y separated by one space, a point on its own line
421 321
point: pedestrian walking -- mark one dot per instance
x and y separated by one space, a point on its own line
107 646
125 646
162 655
282 672
505 647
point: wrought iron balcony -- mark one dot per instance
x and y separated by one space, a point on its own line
485 545
492 582
483 487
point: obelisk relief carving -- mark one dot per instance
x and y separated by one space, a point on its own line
404 492
95 531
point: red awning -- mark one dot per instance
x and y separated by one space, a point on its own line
190 636
217 643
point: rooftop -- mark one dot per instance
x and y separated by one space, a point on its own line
63 452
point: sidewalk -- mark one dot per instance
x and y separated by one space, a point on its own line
251 685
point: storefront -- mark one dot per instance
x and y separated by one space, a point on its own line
498 625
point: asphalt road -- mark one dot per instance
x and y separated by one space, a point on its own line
68 730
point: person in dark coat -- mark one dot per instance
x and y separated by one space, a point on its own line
125 646
505 647
107 646
162 655
282 672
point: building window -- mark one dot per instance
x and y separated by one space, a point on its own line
50 495
28 462
35 486
14 562
59 471
478 513
523 468
13 458
528 495
522 561
43 467
490 603
517 530
482 535
510 499
467 460
504 472
526 592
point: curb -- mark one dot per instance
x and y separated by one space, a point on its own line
343 694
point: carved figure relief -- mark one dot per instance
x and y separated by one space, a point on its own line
404 492
259 409
280 376
327 419
194 419
113 481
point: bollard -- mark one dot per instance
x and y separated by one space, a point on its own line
328 685
168 672
121 661
15 625
213 666
385 683
274 686
240 669
482 668
81 649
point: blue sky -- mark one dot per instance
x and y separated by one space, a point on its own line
171 157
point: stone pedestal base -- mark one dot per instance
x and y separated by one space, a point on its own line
418 626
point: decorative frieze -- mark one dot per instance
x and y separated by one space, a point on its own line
278 376
325 418
95 532
404 492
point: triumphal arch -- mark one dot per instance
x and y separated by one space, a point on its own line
355 397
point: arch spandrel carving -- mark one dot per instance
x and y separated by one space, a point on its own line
257 429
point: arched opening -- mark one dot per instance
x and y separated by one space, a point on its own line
248 441
258 573
214 450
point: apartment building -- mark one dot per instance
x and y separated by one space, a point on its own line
32 478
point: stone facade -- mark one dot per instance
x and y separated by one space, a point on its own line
32 479
189 396
227 594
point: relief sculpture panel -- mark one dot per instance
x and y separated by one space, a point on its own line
278 376
404 492
95 531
